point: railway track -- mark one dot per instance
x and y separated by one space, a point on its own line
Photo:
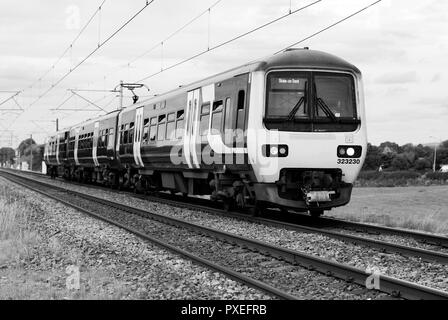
293 259
304 223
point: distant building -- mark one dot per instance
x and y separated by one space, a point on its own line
444 168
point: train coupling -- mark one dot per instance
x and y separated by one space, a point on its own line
318 196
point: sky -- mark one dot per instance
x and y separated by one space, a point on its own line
401 48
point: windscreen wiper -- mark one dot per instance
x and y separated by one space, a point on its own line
298 104
326 109
296 108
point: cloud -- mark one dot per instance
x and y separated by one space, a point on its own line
405 77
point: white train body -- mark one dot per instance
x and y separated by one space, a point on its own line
287 131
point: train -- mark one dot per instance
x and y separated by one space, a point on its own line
287 131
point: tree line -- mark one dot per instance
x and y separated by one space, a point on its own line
391 156
25 148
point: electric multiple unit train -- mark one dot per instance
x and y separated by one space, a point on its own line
288 131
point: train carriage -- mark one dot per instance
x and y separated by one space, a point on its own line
55 152
91 149
286 131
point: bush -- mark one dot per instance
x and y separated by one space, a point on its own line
389 178
437 175
376 175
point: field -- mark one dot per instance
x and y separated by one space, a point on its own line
27 260
423 208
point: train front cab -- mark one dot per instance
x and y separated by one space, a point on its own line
309 139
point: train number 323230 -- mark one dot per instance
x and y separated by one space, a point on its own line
349 161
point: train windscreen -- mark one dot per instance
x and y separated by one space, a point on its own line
310 101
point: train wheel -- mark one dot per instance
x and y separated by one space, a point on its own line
228 204
258 209
316 213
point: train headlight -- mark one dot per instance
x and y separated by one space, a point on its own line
275 150
283 150
349 151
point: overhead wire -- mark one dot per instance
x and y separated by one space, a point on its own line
260 27
330 26
70 47
92 52
230 40
209 48
161 42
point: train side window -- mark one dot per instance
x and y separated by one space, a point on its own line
104 137
145 134
161 127
145 122
240 110
205 116
153 129
180 124
241 96
131 132
125 134
106 140
227 111
170 126
121 133
217 111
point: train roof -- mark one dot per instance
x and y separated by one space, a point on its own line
92 120
291 58
304 58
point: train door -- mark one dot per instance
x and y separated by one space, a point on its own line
65 146
75 154
192 129
137 143
58 138
96 131
236 110
46 158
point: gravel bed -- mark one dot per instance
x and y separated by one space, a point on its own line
407 268
296 280
390 238
131 268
